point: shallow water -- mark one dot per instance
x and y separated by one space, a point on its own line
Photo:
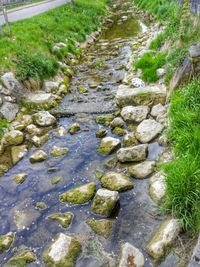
137 217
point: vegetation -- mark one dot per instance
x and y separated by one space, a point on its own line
3 125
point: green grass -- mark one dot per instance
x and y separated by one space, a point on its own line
34 38
183 174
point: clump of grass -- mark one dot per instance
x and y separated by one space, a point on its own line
149 63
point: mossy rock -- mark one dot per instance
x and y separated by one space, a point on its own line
82 89
22 259
79 195
41 205
64 219
6 241
101 227
57 152
20 178
101 133
56 180
118 131
3 169
109 145
110 163
74 128
99 174
104 120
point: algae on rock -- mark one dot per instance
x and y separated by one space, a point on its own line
101 227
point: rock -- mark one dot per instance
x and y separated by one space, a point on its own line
3 169
9 111
116 181
1 101
26 120
194 51
50 86
104 120
157 188
108 145
13 138
134 114
61 131
74 128
79 195
13 85
82 89
41 205
118 131
16 125
64 219
166 156
137 82
6 241
163 141
59 151
194 262
142 169
22 259
163 119
111 163
93 85
101 227
5 91
56 180
117 122
18 152
163 239
160 72
39 98
101 133
105 202
20 178
157 110
38 156
132 154
129 139
130 256
44 119
63 252
58 46
39 141
148 130
99 173
149 95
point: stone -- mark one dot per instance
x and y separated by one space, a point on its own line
148 95
108 145
93 85
9 111
111 163
41 205
137 82
194 262
5 91
105 202
79 195
129 139
13 138
163 119
101 133
61 131
101 227
132 154
22 259
74 128
3 169
64 219
1 101
39 98
20 178
39 141
104 120
117 122
157 188
59 151
44 119
58 46
157 110
51 86
130 256
134 114
160 72
18 153
6 241
194 51
38 156
163 141
82 89
142 170
148 130
26 120
56 180
163 239
16 125
64 251
119 131
116 181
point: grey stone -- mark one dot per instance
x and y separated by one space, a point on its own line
142 170
38 156
157 188
39 98
195 260
117 122
44 119
130 256
132 154
13 138
9 111
108 145
157 110
134 114
50 86
194 51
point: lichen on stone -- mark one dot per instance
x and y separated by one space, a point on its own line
22 259
104 120
74 128
101 227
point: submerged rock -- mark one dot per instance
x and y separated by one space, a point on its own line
79 195
143 169
44 119
63 252
130 256
157 188
13 138
18 152
105 202
118 131
64 219
108 145
104 120
132 154
59 151
148 130
6 241
163 239
116 181
101 133
41 205
82 89
101 227
38 156
61 131
129 139
74 128
134 114
56 180
20 178
22 259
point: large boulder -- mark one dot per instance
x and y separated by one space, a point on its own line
108 145
157 188
142 170
44 119
149 95
130 256
9 111
63 252
134 114
116 181
132 154
148 130
13 138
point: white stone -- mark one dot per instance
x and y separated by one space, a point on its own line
132 154
9 111
148 130
129 252
38 141
38 156
117 122
44 119
157 187
142 169
108 194
39 98
157 110
61 131
14 137
161 72
134 114
137 82
51 86
32 129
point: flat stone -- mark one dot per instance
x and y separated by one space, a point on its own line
44 119
51 86
59 151
64 219
163 239
157 188
116 181
39 98
18 152
142 170
149 95
101 227
13 138
148 130
6 241
108 145
130 256
157 110
9 111
20 178
134 114
132 154
105 202
38 156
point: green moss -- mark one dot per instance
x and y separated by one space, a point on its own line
103 206
111 163
64 219
20 178
74 128
3 125
107 147
101 227
99 173
118 131
56 180
104 120
101 133
24 258
41 205
82 89
79 195
6 241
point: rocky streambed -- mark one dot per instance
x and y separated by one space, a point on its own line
89 195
